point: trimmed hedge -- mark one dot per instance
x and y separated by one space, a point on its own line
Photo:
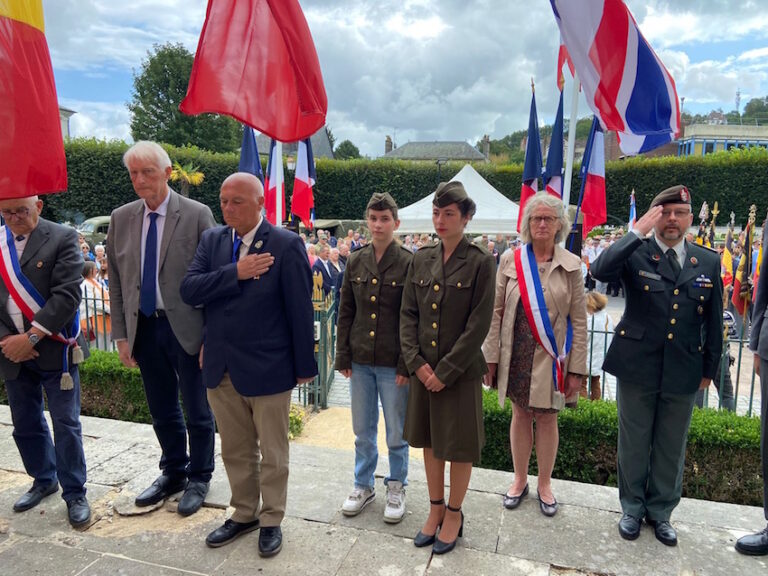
110 390
98 182
722 458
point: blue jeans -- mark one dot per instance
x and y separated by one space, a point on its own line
45 461
366 386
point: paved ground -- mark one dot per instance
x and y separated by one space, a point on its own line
122 458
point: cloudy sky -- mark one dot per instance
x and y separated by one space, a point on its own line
412 69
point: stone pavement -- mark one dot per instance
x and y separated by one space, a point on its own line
122 459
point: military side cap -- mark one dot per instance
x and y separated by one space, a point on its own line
449 193
674 195
382 201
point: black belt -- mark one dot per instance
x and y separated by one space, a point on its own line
156 314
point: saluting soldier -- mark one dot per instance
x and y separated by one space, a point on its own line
445 316
368 353
667 346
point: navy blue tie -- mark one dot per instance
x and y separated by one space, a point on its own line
148 297
236 248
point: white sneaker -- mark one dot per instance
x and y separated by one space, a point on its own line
357 500
395 509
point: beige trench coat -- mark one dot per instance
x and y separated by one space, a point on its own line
564 295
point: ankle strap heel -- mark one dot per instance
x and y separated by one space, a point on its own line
437 502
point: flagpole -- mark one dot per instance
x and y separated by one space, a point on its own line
571 140
279 190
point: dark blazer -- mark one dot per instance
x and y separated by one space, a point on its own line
185 221
52 261
329 279
671 333
758 340
260 331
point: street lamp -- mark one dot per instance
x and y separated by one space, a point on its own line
440 162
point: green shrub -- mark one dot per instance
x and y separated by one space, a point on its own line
722 459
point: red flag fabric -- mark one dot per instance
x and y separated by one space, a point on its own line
256 62
741 279
32 157
562 58
593 205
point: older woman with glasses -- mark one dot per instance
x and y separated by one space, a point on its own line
536 347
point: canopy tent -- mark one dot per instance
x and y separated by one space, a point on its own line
495 212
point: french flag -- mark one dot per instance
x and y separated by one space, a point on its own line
274 186
249 154
625 83
632 211
562 58
593 203
532 166
303 200
553 174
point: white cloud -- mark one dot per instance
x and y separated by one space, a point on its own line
102 120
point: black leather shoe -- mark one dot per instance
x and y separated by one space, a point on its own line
441 547
547 509
79 512
422 539
270 541
754 544
512 502
629 527
193 498
34 496
229 531
663 531
161 488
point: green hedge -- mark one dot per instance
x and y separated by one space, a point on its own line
98 182
722 459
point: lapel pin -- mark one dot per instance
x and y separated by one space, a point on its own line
258 245
656 258
39 263
694 260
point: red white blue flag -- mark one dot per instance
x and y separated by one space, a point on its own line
249 154
532 166
632 211
625 83
303 200
593 203
562 58
553 173
274 186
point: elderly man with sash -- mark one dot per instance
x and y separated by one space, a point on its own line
40 265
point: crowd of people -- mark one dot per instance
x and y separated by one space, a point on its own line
221 319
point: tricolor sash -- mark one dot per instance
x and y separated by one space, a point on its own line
535 307
24 293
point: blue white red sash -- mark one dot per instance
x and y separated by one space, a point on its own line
24 293
535 308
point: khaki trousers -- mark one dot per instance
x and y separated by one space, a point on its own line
254 447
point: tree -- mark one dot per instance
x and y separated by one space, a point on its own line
158 89
186 175
331 137
346 151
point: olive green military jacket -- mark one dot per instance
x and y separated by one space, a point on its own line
369 309
446 311
671 333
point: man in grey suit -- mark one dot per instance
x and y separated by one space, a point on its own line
152 240
39 299
757 544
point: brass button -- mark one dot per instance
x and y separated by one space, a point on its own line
673 321
434 325
374 281
458 285
372 333
358 278
622 332
701 298
373 316
421 282
434 344
436 287
646 288
373 298
394 283
670 336
699 348
434 306
675 306
676 292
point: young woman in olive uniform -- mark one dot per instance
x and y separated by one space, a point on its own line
445 316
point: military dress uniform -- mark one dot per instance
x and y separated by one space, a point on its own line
445 316
669 338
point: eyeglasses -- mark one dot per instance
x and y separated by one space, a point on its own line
18 213
548 220
679 214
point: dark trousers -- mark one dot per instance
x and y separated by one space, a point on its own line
166 369
653 431
764 429
48 461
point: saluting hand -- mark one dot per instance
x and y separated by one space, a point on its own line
649 220
254 265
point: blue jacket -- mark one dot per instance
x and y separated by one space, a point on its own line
260 331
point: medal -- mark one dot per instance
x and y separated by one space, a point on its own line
258 245
656 258
694 260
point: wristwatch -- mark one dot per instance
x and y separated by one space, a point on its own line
33 338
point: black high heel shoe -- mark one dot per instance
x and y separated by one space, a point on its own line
422 539
441 547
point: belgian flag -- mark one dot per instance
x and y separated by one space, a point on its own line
31 148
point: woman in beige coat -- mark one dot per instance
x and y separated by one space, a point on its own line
518 365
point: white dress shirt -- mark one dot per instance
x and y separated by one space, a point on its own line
247 239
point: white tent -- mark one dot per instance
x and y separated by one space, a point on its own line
495 212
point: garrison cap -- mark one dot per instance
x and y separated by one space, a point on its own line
449 193
382 201
675 195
